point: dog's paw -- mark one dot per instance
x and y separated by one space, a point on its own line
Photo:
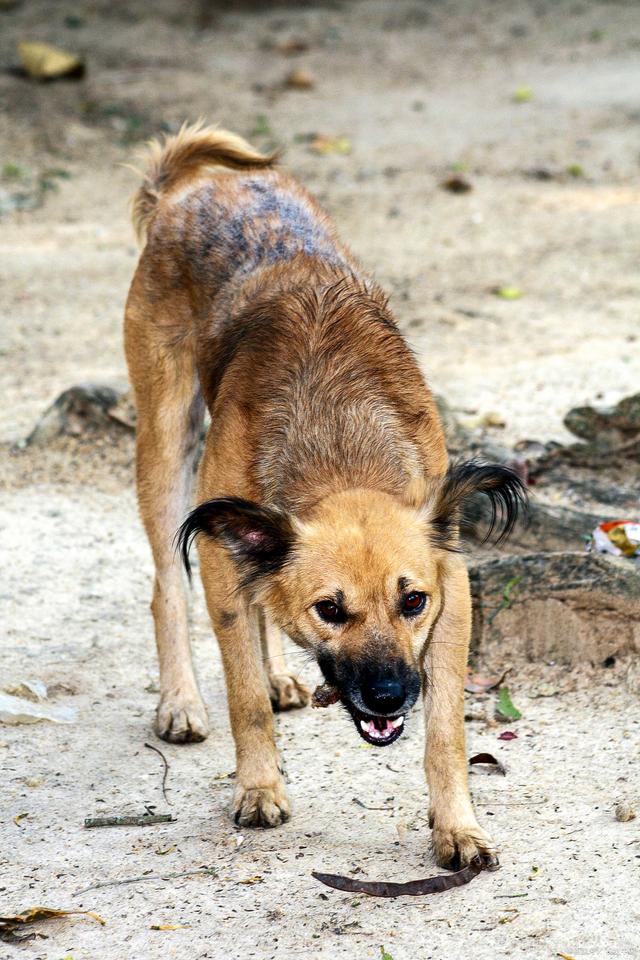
181 719
456 846
261 806
287 693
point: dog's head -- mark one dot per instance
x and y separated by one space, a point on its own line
359 581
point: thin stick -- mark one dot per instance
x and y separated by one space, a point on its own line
203 871
145 820
166 770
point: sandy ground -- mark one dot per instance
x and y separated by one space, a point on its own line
418 89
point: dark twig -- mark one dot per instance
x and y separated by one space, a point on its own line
166 770
203 871
145 820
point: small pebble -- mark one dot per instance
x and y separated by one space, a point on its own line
625 812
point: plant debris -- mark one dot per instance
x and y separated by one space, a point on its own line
456 184
507 293
41 61
11 924
624 812
300 79
475 683
507 735
144 820
326 145
166 770
505 709
488 760
411 888
324 695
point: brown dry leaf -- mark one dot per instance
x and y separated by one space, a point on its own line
251 880
456 184
412 888
11 924
474 683
44 62
290 47
300 80
489 761
326 145
168 926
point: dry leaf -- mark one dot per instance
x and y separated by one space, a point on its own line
412 888
19 817
300 80
168 926
9 925
251 880
291 47
456 184
326 145
44 62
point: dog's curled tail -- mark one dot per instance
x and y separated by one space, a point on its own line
195 146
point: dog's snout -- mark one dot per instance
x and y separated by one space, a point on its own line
385 695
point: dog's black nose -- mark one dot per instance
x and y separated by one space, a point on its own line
384 696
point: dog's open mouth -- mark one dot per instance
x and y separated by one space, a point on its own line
380 731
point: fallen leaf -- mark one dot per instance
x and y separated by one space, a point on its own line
412 888
326 145
475 683
163 853
10 924
507 735
300 80
625 812
507 293
565 956
522 95
456 184
19 817
44 62
505 710
487 759
251 880
384 955
290 47
168 926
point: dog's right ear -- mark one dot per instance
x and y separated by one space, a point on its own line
259 539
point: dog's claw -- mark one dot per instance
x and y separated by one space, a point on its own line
287 693
181 720
456 847
261 807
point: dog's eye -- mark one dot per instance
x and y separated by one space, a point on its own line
330 612
413 603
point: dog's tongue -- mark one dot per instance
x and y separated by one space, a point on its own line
381 727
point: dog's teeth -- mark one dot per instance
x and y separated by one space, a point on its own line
397 723
364 725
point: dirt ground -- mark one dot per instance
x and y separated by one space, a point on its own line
420 90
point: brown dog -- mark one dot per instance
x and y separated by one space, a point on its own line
327 508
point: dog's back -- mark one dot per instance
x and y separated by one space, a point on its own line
291 339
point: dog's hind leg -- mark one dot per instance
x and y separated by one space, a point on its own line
285 689
170 412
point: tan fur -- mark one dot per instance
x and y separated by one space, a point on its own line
321 417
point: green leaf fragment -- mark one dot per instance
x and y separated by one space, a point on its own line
505 708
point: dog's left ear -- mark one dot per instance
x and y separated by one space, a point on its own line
259 539
504 488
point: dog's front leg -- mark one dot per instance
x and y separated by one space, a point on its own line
457 836
260 798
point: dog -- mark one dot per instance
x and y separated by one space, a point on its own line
328 510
